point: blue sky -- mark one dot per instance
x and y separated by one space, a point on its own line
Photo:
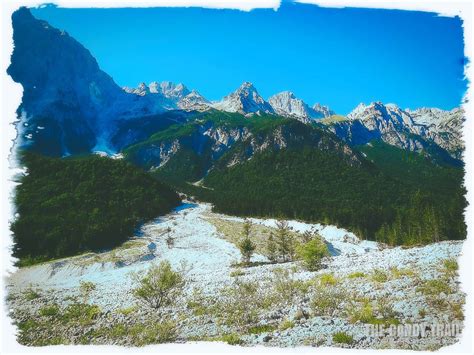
338 57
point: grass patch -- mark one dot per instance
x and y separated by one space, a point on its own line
31 294
379 275
397 273
450 267
232 232
327 301
356 275
81 313
128 310
236 273
434 287
49 311
232 339
342 338
328 279
258 329
286 324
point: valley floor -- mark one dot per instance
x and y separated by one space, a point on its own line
363 286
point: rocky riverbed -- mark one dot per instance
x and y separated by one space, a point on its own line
366 295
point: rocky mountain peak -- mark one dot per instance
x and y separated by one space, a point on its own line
245 100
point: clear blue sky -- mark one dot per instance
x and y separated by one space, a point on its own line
338 57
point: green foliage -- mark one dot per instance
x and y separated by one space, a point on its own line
450 267
363 313
86 288
232 339
425 207
286 286
342 338
246 246
286 324
328 279
128 310
31 294
356 275
69 206
81 313
160 286
434 287
285 242
271 248
312 253
379 275
49 311
327 300
237 273
259 329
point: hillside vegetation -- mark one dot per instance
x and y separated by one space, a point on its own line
68 206
399 198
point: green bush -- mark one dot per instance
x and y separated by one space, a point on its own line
342 338
434 287
160 286
312 253
49 311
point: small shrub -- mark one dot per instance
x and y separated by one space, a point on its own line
379 275
153 333
258 329
342 338
81 312
457 310
237 273
328 280
232 339
363 313
422 313
434 287
246 246
31 294
49 311
286 324
128 310
240 304
284 241
86 288
312 253
397 273
450 267
272 249
286 286
356 275
326 301
160 286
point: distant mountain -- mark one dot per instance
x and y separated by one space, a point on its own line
410 130
245 100
442 127
286 104
172 96
70 106
190 150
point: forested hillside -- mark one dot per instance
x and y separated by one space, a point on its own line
73 205
399 198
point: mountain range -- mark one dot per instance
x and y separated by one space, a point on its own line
245 154
71 106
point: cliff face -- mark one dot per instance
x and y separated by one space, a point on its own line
69 104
